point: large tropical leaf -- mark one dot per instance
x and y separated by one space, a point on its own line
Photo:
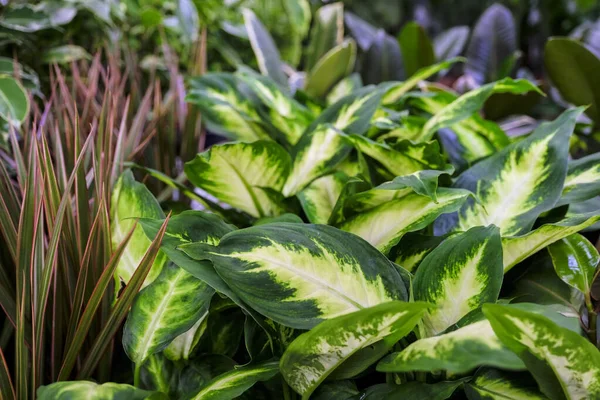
575 260
411 391
491 384
315 354
182 346
165 309
131 200
516 249
518 183
232 384
582 181
242 175
334 65
460 275
573 359
326 33
299 275
93 391
318 199
456 352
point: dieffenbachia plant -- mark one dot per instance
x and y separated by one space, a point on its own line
392 243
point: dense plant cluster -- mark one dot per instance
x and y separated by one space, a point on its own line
290 201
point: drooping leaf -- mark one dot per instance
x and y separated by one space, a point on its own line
131 200
582 181
14 103
334 65
93 391
574 71
165 309
326 33
225 107
460 275
518 248
411 391
573 359
318 199
299 275
265 51
575 260
417 50
314 355
450 43
239 173
456 352
518 183
492 384
413 248
232 384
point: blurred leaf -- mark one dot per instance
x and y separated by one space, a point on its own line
383 61
336 64
451 42
32 18
189 22
327 32
14 103
93 391
417 51
363 32
65 54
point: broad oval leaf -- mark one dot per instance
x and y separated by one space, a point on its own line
312 356
460 275
165 309
491 384
334 65
299 275
14 103
575 260
232 384
131 200
93 391
518 183
573 359
326 33
239 173
319 198
582 181
456 352
574 70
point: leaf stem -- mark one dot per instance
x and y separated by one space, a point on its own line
136 375
287 393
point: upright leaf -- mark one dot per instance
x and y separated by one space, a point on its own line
460 275
383 60
450 43
240 174
314 355
299 275
334 65
14 103
417 50
575 260
519 183
318 199
326 33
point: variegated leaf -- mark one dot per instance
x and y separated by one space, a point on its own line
159 373
472 101
299 275
242 174
516 249
338 390
573 359
314 355
319 198
334 65
165 309
232 384
518 183
460 275
575 260
225 108
93 391
384 225
183 345
491 384
326 33
456 352
343 88
286 114
582 181
131 200
411 391
413 248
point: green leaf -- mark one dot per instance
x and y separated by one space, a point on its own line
343 88
451 42
384 225
516 249
326 33
165 309
318 199
582 181
65 54
339 390
518 183
575 260
232 384
460 275
491 384
239 173
334 65
188 21
574 71
32 18
131 200
299 275
456 352
398 89
382 62
314 355
411 391
183 345
14 103
225 107
573 359
265 51
472 101
413 248
160 374
93 391
417 51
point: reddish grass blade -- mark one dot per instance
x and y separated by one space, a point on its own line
7 390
